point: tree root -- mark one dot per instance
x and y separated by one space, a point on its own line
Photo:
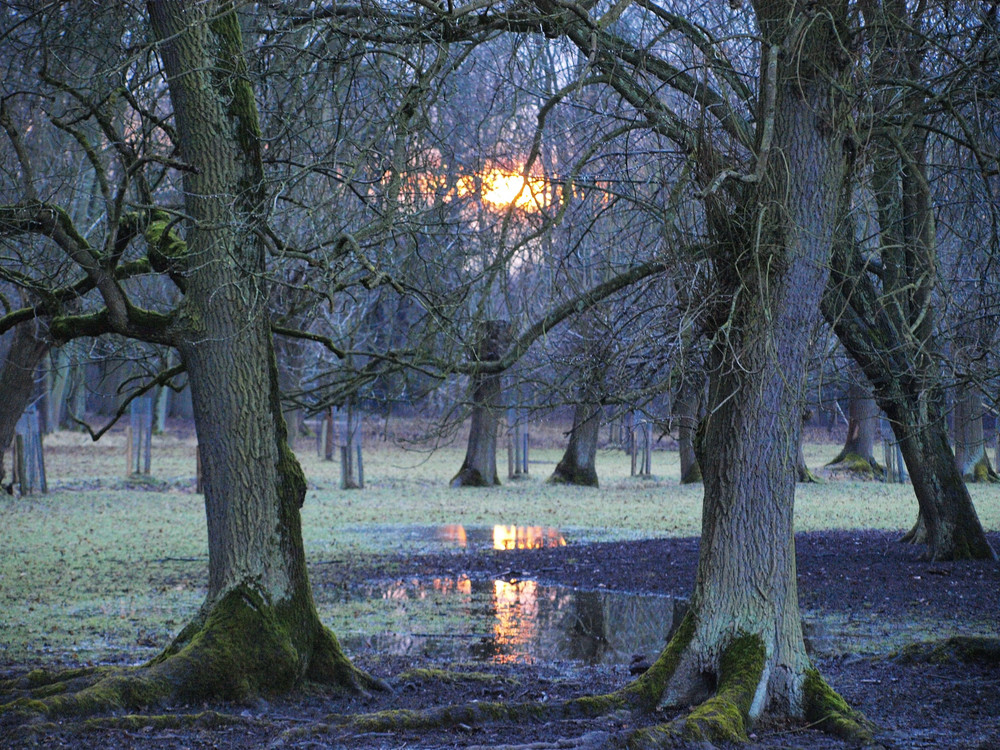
236 651
959 649
828 711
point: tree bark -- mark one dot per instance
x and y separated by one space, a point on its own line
687 412
742 637
258 630
17 379
578 464
479 469
858 454
970 439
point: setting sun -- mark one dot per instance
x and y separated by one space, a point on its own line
501 187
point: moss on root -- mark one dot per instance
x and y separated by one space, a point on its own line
828 711
961 649
649 687
443 716
203 719
330 666
468 477
858 465
448 677
566 473
240 649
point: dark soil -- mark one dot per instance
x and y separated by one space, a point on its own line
862 582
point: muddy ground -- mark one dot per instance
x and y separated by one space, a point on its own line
862 583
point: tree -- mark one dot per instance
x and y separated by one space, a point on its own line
858 454
687 412
883 312
18 379
479 469
770 236
258 629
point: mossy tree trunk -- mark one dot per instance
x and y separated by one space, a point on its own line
479 469
258 630
578 463
858 453
742 639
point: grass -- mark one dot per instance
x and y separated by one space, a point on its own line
99 571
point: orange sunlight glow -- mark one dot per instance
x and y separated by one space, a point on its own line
526 537
501 187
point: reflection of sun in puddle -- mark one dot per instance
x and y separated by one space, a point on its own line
526 537
453 532
503 536
516 607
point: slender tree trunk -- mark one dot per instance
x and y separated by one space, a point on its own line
17 380
479 469
578 464
858 453
687 412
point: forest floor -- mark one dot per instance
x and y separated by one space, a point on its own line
861 593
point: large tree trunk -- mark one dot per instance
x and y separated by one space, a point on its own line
17 379
258 630
479 469
742 637
970 439
858 454
578 464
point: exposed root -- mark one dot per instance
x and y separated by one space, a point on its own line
566 473
918 534
724 716
857 465
589 741
470 477
448 677
202 720
830 712
238 650
961 649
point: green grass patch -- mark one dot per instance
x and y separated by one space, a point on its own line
109 575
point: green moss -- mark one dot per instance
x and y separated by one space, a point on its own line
447 716
467 477
826 709
963 649
648 688
651 738
574 475
122 689
982 472
449 677
24 709
242 650
205 719
723 717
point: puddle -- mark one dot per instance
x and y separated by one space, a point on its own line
499 537
514 621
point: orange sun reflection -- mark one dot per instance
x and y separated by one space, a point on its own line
526 537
